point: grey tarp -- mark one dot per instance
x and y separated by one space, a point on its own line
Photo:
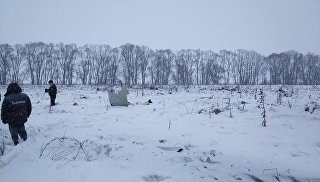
120 98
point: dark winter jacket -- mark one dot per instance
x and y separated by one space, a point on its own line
16 106
53 90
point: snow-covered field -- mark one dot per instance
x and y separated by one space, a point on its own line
175 138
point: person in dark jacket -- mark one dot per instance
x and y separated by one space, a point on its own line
15 111
52 92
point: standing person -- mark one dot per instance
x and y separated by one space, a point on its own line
16 109
52 92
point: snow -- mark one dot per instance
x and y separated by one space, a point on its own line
168 139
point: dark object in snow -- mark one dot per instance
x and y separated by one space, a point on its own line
101 89
83 97
153 88
311 107
213 152
162 141
216 111
285 92
75 104
180 150
210 110
243 108
237 178
201 110
148 102
227 88
210 161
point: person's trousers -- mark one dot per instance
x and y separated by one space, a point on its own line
18 129
52 100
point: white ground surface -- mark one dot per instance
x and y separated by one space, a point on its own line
140 142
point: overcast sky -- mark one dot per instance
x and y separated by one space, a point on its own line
263 25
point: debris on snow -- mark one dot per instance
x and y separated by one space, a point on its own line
155 178
120 98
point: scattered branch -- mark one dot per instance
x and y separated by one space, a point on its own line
60 151
256 179
288 126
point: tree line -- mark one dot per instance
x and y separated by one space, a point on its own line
68 64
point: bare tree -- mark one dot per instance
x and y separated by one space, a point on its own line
39 61
310 69
184 64
66 58
5 55
246 67
17 57
50 68
115 61
130 63
161 66
226 63
101 64
30 56
198 60
85 63
213 68
144 55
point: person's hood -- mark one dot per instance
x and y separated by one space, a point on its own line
13 88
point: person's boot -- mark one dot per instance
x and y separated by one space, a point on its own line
15 142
